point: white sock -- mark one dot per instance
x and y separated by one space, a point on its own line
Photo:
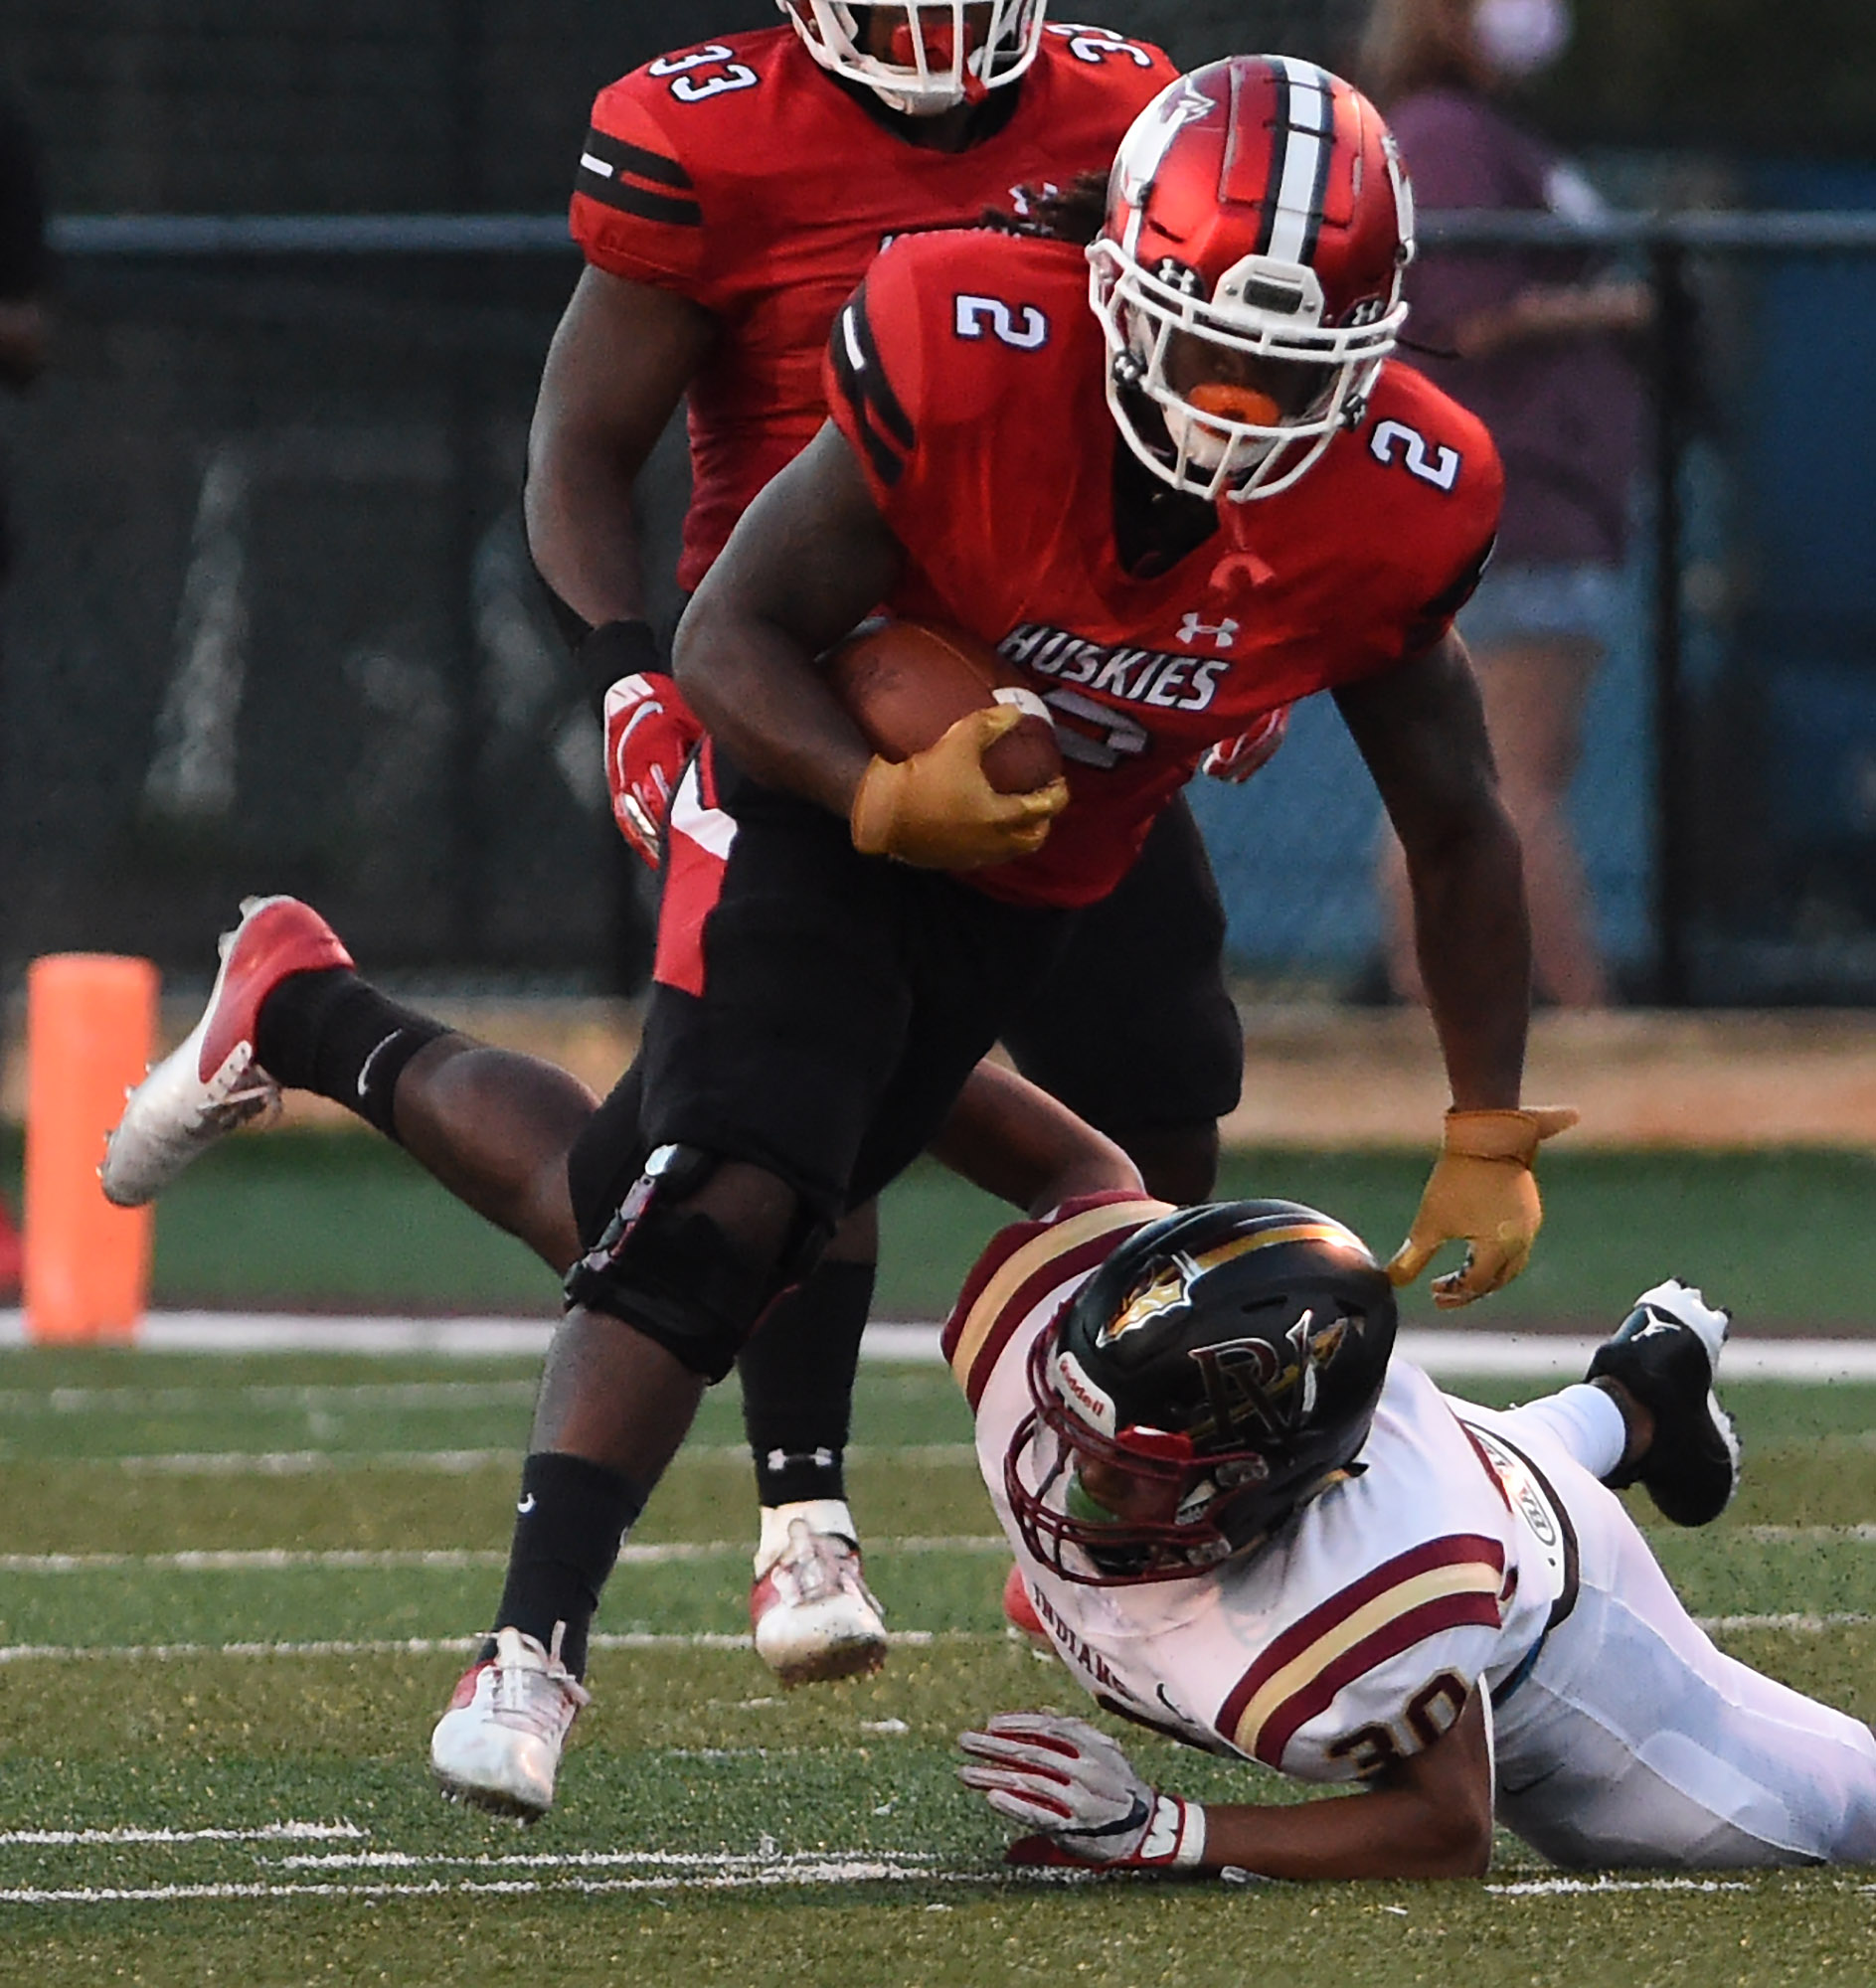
1586 1421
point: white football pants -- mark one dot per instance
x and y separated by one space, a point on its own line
1634 1742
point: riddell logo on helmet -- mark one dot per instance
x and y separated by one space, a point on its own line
1094 1406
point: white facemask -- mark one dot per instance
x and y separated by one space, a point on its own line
1520 36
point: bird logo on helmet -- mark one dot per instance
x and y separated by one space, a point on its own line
1221 1367
922 56
1247 273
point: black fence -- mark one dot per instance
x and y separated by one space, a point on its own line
273 628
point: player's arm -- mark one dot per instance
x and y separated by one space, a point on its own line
1015 1141
621 356
1429 1815
807 560
1420 727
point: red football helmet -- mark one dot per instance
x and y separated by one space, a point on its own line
935 53
1247 275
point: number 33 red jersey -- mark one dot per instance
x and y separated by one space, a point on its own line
967 376
740 175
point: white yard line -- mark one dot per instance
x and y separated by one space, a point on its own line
668 1553
1570 1888
827 1871
266 1394
459 1462
271 1832
273 1558
426 1646
702 1639
475 1338
1442 1353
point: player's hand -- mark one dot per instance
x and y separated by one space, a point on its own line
1079 1791
1481 1193
937 810
1236 759
649 733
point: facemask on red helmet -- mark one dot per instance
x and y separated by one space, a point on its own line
1247 275
937 53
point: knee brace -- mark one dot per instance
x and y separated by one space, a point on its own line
676 1274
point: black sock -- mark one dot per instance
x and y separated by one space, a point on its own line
332 1033
571 1520
798 1384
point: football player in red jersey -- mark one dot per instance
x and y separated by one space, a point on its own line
1165 585
729 198
714 271
1213 495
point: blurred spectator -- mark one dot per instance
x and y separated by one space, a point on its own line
1534 343
23 265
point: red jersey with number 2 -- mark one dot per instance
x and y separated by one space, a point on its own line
742 176
967 376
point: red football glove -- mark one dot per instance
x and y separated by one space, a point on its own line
649 733
1236 759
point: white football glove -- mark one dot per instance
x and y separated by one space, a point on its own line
1079 1789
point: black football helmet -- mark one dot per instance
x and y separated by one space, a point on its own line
1220 1367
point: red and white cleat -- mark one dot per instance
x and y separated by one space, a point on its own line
210 1084
1020 1613
499 1743
812 1613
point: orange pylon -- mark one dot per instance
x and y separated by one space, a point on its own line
90 1028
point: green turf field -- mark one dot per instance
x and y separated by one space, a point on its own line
343 1220
231 1593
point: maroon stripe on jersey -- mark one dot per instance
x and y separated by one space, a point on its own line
634 161
997 1251
1450 1611
1485 1464
1075 1263
886 433
1453 1550
1005 1244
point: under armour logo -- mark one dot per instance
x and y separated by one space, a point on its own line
1222 633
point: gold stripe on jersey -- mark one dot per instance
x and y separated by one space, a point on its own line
1058 1240
1463 1578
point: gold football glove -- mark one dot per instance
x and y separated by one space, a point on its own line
937 810
1481 1193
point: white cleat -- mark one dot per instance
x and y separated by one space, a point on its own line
811 1612
210 1084
499 1743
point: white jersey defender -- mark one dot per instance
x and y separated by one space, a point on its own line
1464 1547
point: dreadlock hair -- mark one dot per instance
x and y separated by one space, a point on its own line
1073 213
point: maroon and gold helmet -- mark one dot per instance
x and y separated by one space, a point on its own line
1217 1371
1258 206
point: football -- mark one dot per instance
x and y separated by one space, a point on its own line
906 683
